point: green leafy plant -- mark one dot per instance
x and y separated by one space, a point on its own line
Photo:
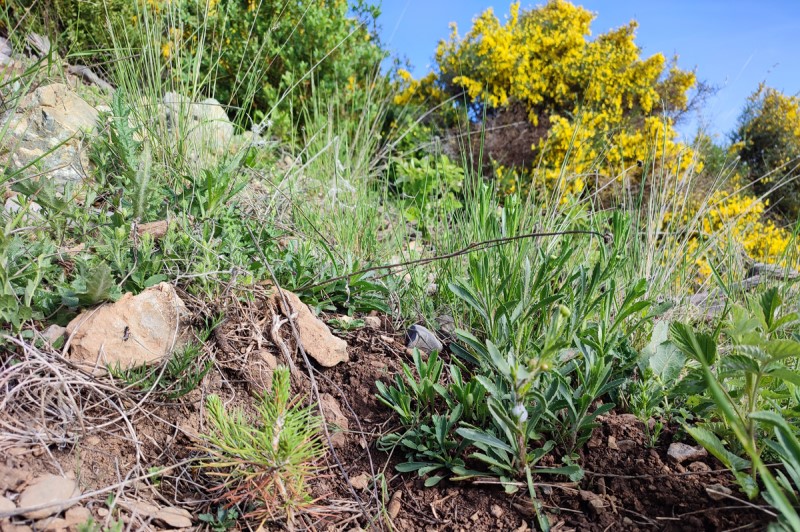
224 519
760 348
268 461
429 188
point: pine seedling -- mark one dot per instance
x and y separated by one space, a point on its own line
266 464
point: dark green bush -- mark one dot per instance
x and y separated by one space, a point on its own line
264 57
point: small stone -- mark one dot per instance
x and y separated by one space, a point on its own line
52 490
394 505
175 517
387 339
55 524
718 491
133 331
77 515
54 333
141 508
522 527
496 511
680 452
474 517
317 339
93 441
360 482
422 338
372 322
699 467
102 512
612 443
626 445
6 505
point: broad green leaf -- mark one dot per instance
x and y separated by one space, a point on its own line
432 481
780 349
667 362
740 363
700 347
407 467
713 445
483 438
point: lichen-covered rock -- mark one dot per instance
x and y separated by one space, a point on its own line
46 133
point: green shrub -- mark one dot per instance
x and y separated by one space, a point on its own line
256 56
768 141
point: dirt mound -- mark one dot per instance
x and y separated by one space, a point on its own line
139 448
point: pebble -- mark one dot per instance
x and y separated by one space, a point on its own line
523 527
626 445
48 489
680 452
52 524
175 517
612 443
77 515
496 511
11 479
360 482
699 467
394 505
474 517
372 322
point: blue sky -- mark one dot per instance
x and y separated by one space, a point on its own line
732 44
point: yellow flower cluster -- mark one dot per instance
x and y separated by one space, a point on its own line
604 105
738 221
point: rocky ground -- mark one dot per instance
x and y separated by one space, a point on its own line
98 443
82 450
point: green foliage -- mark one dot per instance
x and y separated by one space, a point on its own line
429 189
180 374
223 520
761 347
265 57
768 142
269 460
549 342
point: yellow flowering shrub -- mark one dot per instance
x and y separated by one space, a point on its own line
599 105
736 221
768 141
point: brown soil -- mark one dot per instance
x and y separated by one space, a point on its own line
632 487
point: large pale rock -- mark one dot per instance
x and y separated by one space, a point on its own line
135 330
46 130
316 337
52 490
203 127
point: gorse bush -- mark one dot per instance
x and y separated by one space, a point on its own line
591 106
768 141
